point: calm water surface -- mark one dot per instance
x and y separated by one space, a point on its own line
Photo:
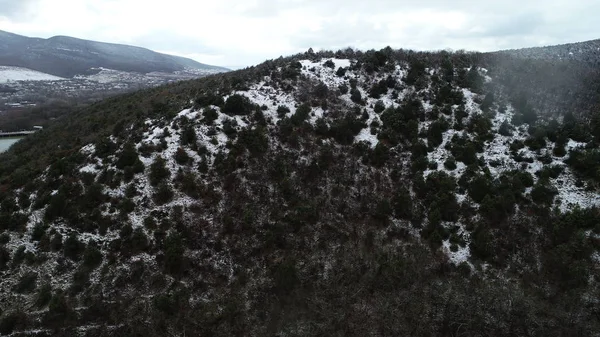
5 143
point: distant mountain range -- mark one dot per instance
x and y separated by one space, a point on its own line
67 57
586 51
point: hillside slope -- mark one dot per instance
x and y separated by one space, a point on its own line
587 51
351 193
65 56
10 74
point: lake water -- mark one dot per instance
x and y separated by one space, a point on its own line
5 143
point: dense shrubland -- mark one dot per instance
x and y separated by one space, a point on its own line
248 219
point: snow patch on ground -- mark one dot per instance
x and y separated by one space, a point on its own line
263 94
459 256
88 149
89 168
366 136
317 70
570 196
440 155
10 74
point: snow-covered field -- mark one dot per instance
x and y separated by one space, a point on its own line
11 74
105 75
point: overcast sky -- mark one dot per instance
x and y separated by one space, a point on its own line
239 33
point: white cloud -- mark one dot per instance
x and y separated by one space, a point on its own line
239 33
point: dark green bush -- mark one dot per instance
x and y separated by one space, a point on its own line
282 110
207 99
329 64
60 313
188 135
345 129
38 232
80 281
230 127
174 260
18 256
43 296
209 116
128 156
285 277
56 207
238 105
379 155
343 89
505 129
125 231
56 243
355 96
181 156
480 187
158 171
450 164
254 140
15 320
72 247
379 107
26 284
92 257
378 89
139 241
586 163
163 194
126 206
481 245
543 194
435 133
302 113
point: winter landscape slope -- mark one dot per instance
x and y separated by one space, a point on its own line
588 51
11 74
350 193
65 56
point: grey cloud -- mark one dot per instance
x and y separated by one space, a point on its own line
423 25
337 34
520 24
271 8
182 44
500 26
489 26
13 8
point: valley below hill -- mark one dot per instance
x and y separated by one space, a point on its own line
70 72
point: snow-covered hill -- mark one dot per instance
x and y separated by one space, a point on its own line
496 155
12 74
399 189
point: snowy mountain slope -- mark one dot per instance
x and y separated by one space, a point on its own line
382 185
11 74
66 56
587 51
